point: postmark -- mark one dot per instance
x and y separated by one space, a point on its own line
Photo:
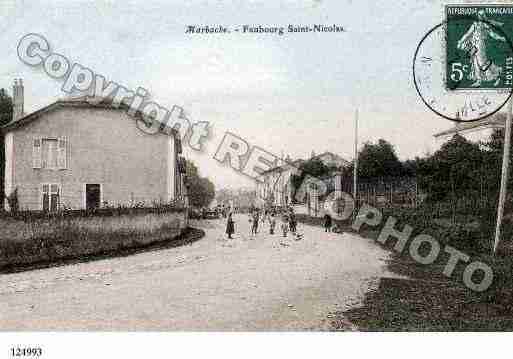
463 67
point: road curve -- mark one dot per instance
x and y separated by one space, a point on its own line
242 284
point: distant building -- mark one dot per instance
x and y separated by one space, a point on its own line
244 197
73 154
332 160
474 131
275 186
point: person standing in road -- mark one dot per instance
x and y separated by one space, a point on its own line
285 224
254 227
250 220
230 226
292 221
327 223
272 223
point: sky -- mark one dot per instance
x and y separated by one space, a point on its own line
292 93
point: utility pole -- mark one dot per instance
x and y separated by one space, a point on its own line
504 176
355 172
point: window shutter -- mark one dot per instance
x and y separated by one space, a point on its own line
62 153
36 153
45 195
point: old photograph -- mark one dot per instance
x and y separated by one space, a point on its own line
255 166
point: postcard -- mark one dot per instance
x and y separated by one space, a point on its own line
255 166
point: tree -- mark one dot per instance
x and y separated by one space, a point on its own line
455 170
223 196
378 160
200 189
314 167
5 116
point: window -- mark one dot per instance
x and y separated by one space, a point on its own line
49 153
50 196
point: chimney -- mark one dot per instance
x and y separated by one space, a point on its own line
17 99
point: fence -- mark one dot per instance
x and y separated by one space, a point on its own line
383 192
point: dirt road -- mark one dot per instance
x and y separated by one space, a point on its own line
265 283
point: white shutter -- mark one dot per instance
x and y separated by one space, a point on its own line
36 153
62 153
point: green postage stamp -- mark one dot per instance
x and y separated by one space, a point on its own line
479 50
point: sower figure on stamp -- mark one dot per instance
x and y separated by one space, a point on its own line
475 43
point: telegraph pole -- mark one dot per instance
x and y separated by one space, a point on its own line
504 176
355 172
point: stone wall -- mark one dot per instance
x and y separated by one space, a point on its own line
51 239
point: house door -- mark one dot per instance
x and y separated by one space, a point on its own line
93 196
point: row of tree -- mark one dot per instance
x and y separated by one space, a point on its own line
5 117
201 190
459 168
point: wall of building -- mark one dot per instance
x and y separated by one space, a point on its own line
104 146
9 171
276 184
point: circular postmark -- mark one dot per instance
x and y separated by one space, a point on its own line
463 68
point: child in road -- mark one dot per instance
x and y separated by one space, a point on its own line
327 223
254 227
285 225
250 220
272 223
230 226
292 221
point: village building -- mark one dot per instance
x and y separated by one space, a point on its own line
474 131
275 186
77 155
331 159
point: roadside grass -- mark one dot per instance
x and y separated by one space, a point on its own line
427 300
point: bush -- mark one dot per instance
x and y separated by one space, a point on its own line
13 202
106 211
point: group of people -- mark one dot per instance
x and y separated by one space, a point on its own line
259 217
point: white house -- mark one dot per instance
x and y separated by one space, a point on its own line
474 131
275 185
73 154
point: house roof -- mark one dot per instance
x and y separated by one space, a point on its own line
489 122
80 102
332 155
295 163
298 162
